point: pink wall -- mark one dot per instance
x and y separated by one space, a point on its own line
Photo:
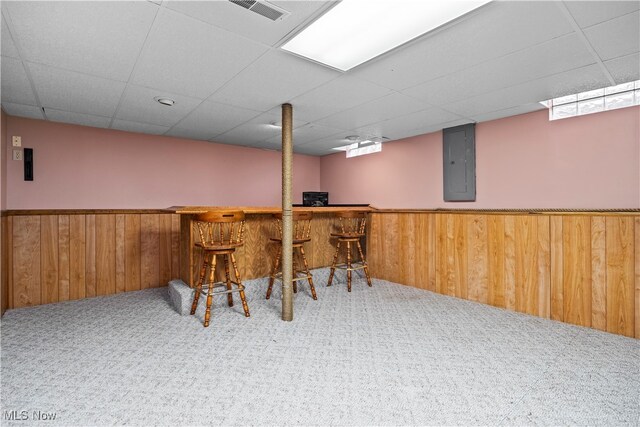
77 167
523 161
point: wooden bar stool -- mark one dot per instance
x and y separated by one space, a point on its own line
301 231
220 234
351 229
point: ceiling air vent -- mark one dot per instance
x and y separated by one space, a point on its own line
262 8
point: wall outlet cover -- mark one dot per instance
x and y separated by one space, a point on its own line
17 154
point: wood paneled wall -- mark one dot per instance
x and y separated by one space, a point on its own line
53 258
580 269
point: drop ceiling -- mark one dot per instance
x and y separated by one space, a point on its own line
102 64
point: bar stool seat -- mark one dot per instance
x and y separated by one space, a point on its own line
351 230
301 235
221 233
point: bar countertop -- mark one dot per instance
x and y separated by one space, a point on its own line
263 209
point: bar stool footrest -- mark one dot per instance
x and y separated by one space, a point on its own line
205 288
354 266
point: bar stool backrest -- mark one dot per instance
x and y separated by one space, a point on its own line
352 222
221 228
301 224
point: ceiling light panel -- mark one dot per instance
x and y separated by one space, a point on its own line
355 31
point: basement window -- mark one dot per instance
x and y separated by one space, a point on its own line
594 101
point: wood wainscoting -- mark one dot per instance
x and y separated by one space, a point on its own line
60 257
575 267
51 256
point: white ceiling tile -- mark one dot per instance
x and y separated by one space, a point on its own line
617 37
269 145
187 56
15 83
495 30
574 81
255 130
234 18
8 47
624 69
189 133
408 125
276 78
514 111
98 38
337 95
309 132
138 105
147 128
210 119
77 118
390 106
21 110
71 91
552 57
587 13
312 150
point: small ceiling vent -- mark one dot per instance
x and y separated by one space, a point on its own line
263 8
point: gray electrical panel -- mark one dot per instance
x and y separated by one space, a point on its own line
459 152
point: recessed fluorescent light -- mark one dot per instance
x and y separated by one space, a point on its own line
354 31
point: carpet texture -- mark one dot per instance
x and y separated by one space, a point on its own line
387 355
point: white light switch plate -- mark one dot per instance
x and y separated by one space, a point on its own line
16 141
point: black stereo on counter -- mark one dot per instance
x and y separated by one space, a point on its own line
315 198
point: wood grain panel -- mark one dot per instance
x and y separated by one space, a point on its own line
496 266
132 252
175 246
255 257
375 246
26 261
120 255
4 258
105 254
404 248
90 255
9 246
477 258
620 275
165 249
186 255
598 273
576 234
149 251
422 234
637 271
460 256
77 257
49 258
510 262
63 257
544 268
432 253
557 273
392 233
526 264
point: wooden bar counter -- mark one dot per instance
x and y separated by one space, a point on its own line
255 257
